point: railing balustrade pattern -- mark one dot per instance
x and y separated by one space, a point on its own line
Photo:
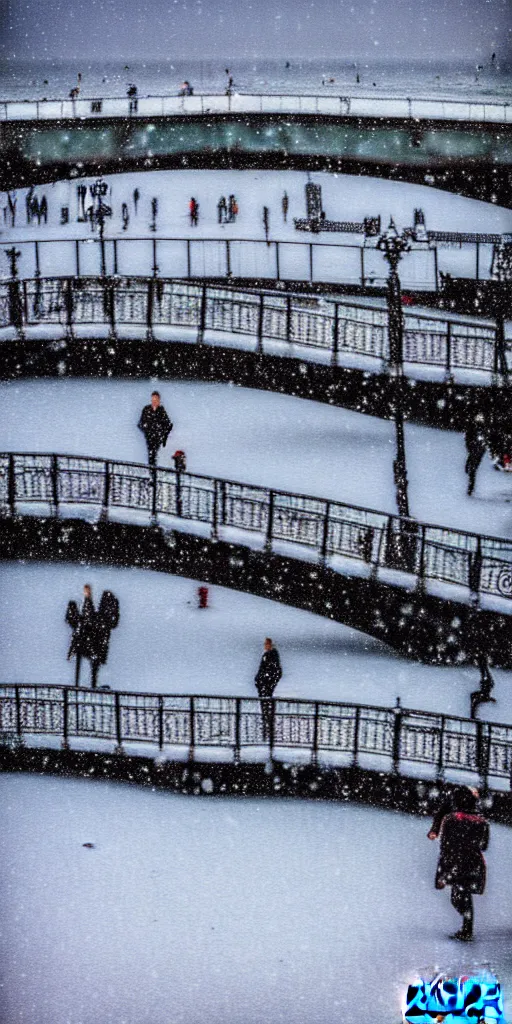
331 328
332 529
318 728
430 108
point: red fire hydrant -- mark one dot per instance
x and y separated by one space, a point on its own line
180 461
202 594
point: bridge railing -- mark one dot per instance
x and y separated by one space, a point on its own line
321 730
429 108
328 329
340 263
334 531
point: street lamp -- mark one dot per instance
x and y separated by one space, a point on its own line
15 304
98 191
393 246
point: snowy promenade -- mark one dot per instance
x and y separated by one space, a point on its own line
351 106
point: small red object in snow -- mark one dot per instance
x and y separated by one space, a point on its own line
180 461
202 593
407 300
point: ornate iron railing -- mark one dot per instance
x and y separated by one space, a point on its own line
350 263
322 730
333 530
330 330
430 108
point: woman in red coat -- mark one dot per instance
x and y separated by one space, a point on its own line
464 834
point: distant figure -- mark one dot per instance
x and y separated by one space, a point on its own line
28 204
483 695
186 89
136 197
476 445
222 210
266 214
193 209
43 211
131 92
232 209
11 202
125 216
266 679
91 631
285 202
155 425
464 834
154 211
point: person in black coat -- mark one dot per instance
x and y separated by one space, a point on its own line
476 443
266 679
464 834
91 631
155 425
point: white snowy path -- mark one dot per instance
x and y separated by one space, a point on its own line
165 644
260 438
197 911
344 197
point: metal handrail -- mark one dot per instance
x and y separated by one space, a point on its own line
318 728
333 529
337 328
351 105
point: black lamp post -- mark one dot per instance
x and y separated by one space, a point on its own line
98 191
393 246
15 304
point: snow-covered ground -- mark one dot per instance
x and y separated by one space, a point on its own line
261 438
344 197
165 644
201 911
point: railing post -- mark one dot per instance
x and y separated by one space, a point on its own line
119 735
77 258
238 712
363 278
314 751
149 311
311 262
65 722
325 533
261 314
289 318
271 727
270 523
11 485
278 268
421 566
202 317
154 483
189 260
477 261
482 754
178 493
215 511
335 332
192 742
475 569
397 732
160 722
228 259
19 723
448 363
68 302
54 475
357 724
440 758
106 491
500 351
436 268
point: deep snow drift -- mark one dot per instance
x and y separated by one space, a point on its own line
202 911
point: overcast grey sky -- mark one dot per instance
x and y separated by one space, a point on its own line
264 28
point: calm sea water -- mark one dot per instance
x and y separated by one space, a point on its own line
38 79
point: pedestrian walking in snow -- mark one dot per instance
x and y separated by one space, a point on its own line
91 631
284 205
232 209
12 200
193 209
43 210
125 216
483 695
131 92
136 197
464 834
155 425
266 215
222 210
476 444
28 204
266 679
154 211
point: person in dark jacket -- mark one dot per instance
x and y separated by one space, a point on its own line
91 631
483 695
155 425
464 834
266 679
476 444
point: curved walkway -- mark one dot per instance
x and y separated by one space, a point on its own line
350 564
335 734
